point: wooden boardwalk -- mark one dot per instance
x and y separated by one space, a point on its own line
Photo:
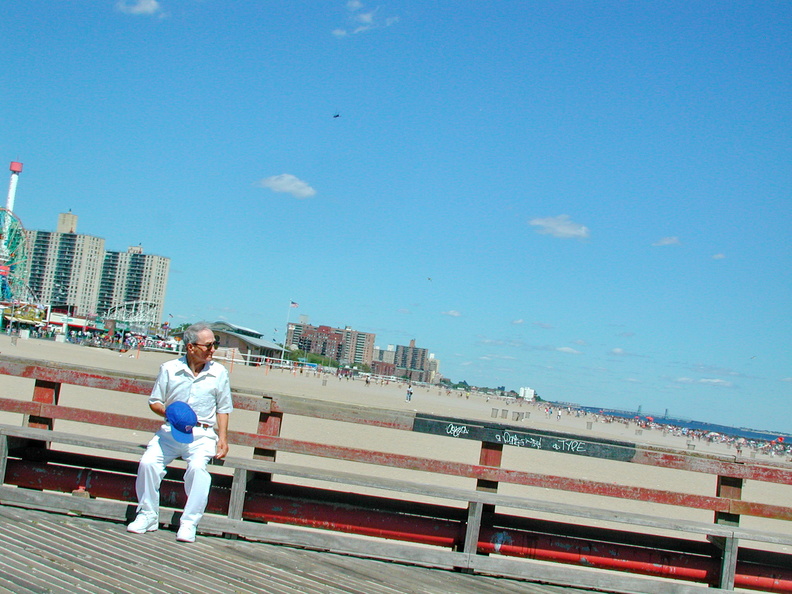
43 552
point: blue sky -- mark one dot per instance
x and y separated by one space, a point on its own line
588 198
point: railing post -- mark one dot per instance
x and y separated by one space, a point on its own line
3 457
270 425
731 488
44 392
491 455
472 531
729 548
479 513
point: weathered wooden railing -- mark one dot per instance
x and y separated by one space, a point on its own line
469 529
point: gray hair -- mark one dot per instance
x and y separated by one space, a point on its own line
192 332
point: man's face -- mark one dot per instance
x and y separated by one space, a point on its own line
202 350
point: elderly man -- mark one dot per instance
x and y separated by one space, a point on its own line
195 430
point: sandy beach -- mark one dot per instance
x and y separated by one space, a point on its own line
392 396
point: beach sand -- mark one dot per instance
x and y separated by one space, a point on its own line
392 397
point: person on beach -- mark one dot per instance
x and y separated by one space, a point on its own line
409 393
193 393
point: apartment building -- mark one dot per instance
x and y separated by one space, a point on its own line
75 273
345 345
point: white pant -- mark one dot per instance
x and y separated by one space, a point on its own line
161 451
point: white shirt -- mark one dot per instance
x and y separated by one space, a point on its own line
207 393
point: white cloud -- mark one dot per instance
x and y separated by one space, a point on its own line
560 226
289 184
452 312
619 352
518 322
718 383
667 241
568 350
144 7
718 256
365 18
364 21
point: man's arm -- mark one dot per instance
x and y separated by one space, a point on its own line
158 408
222 435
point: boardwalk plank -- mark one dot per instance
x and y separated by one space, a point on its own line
44 552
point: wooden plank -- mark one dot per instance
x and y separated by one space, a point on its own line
236 501
73 439
155 562
473 528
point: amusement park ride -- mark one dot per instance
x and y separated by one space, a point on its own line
14 262
14 257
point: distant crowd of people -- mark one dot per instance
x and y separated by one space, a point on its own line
770 447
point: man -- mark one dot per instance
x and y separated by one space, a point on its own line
203 384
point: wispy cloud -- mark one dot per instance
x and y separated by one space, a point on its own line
497 358
361 20
561 226
568 350
288 184
667 241
717 383
139 7
542 325
620 352
518 322
718 256
452 312
510 343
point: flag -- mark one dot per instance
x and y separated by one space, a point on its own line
295 304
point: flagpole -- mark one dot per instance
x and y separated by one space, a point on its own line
286 331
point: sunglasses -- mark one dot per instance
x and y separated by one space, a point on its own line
208 345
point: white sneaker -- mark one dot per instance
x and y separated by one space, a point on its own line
143 523
186 533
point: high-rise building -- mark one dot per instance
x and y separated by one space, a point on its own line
65 267
74 272
411 362
345 345
133 277
433 369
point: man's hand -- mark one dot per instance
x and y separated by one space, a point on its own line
222 448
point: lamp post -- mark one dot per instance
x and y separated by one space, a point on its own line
286 332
